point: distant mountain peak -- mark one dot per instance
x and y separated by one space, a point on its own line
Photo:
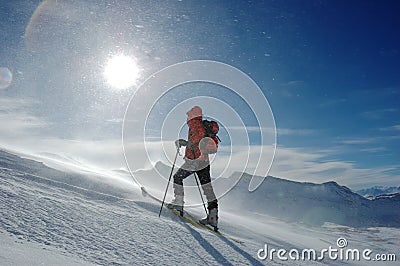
377 191
331 183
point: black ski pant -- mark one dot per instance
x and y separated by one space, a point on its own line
205 181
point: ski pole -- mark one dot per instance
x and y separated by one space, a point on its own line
201 195
169 180
197 182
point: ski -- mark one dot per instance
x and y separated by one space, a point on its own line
191 219
177 213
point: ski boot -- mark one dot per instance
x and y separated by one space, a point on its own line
177 204
211 219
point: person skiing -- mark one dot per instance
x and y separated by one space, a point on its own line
198 147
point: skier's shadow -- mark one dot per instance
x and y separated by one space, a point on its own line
207 246
250 258
202 241
215 253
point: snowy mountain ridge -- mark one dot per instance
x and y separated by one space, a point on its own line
317 204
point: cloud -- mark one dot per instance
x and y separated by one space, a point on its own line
378 114
368 140
280 131
23 131
16 120
107 154
115 120
333 102
8 104
296 131
391 128
374 149
315 166
18 123
359 141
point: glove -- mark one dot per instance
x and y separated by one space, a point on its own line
180 142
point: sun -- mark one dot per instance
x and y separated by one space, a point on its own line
121 71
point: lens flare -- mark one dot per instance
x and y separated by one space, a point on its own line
5 78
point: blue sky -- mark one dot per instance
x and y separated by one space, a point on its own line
329 70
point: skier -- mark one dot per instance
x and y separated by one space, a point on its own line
197 161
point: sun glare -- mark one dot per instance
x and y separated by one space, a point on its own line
121 72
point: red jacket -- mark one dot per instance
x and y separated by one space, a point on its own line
196 134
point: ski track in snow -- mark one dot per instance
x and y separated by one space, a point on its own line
109 229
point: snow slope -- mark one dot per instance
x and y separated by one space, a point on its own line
69 218
19 251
